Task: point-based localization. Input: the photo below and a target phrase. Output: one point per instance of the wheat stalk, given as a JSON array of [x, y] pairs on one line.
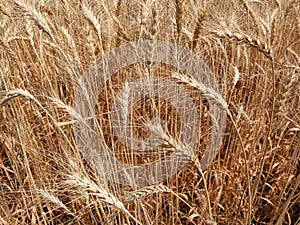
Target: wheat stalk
[[2, 221]]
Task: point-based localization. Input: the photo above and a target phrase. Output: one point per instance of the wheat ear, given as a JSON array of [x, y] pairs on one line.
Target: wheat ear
[[202, 15], [246, 39], [252, 14], [5, 46], [86, 185], [89, 15], [55, 200], [179, 16], [181, 149], [145, 192], [209, 92], [66, 7]]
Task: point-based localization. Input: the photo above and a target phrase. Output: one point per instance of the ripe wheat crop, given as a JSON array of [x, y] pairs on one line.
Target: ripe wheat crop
[[251, 47]]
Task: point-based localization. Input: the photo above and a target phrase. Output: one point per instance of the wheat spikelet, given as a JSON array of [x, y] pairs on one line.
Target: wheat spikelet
[[144, 13], [298, 25], [71, 43], [118, 9], [246, 39], [289, 88], [7, 96], [29, 30], [60, 104], [120, 28], [123, 99]]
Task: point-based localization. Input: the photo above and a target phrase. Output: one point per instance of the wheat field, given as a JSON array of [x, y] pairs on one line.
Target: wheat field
[[251, 47]]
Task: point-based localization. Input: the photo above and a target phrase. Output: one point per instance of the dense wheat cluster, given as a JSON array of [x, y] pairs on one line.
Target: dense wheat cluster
[[251, 47]]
